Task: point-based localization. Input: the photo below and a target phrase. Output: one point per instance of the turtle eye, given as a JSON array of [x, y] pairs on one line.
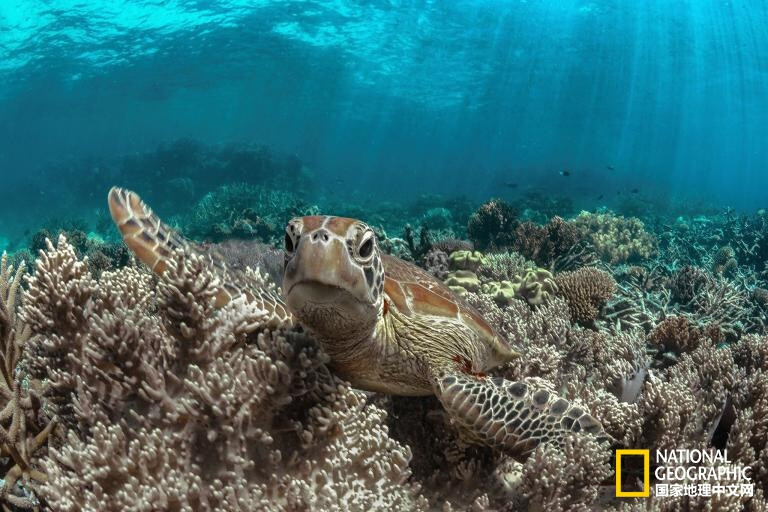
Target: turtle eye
[[366, 248]]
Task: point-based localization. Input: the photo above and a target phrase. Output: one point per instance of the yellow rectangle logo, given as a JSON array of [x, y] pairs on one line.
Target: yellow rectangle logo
[[646, 454]]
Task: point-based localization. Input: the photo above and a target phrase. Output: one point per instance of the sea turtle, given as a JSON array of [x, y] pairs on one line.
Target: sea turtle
[[387, 325]]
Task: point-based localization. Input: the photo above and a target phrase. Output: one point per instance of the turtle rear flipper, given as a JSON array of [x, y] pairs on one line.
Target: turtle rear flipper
[[514, 416], [154, 243]]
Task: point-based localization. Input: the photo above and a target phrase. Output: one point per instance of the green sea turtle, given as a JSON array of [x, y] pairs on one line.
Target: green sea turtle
[[387, 325]]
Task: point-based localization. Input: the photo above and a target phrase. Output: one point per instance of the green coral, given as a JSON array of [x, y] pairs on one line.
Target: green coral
[[502, 292], [536, 286], [617, 239], [464, 279], [466, 260]]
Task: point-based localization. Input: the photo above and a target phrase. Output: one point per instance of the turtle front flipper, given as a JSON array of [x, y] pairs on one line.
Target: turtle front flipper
[[154, 243], [513, 416]]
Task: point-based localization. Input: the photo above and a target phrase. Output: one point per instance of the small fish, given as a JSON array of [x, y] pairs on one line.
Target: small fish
[[565, 173], [635, 191], [610, 167], [510, 185], [600, 197]]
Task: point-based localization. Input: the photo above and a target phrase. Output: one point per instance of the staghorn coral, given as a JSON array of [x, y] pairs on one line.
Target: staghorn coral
[[707, 299], [228, 212], [687, 282], [586, 291], [171, 406], [451, 245], [617, 239], [25, 426]]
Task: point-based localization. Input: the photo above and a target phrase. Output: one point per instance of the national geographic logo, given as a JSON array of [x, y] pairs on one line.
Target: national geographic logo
[[683, 473], [646, 491]]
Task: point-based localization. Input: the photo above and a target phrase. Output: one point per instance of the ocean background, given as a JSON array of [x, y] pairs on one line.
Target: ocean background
[[658, 102]]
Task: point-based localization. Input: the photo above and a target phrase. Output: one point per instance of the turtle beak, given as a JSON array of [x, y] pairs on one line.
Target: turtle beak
[[324, 263]]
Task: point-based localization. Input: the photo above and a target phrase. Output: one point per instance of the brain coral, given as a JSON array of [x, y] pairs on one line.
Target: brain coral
[[586, 290], [617, 239]]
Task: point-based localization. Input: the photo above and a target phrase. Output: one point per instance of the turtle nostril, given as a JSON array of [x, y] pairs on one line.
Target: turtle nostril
[[321, 235]]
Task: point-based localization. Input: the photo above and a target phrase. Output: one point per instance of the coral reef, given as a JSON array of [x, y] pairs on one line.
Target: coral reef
[[546, 244], [617, 239], [25, 425], [503, 266], [535, 286], [224, 415], [123, 391], [493, 225], [677, 334], [244, 211], [462, 281], [466, 260], [586, 290]]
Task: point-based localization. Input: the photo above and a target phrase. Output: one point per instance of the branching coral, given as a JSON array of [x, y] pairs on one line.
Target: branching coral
[[566, 480], [24, 426], [168, 404], [436, 263], [677, 334], [173, 406], [713, 300], [492, 226], [617, 239], [503, 266], [586, 291], [687, 282], [546, 244]]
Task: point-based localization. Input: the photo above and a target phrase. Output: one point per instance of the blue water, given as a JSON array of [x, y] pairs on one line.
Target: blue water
[[392, 99]]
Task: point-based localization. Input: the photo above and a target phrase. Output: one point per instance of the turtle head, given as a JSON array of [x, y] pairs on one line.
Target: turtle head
[[333, 275]]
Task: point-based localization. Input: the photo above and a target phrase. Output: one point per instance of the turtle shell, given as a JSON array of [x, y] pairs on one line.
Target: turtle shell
[[415, 292]]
